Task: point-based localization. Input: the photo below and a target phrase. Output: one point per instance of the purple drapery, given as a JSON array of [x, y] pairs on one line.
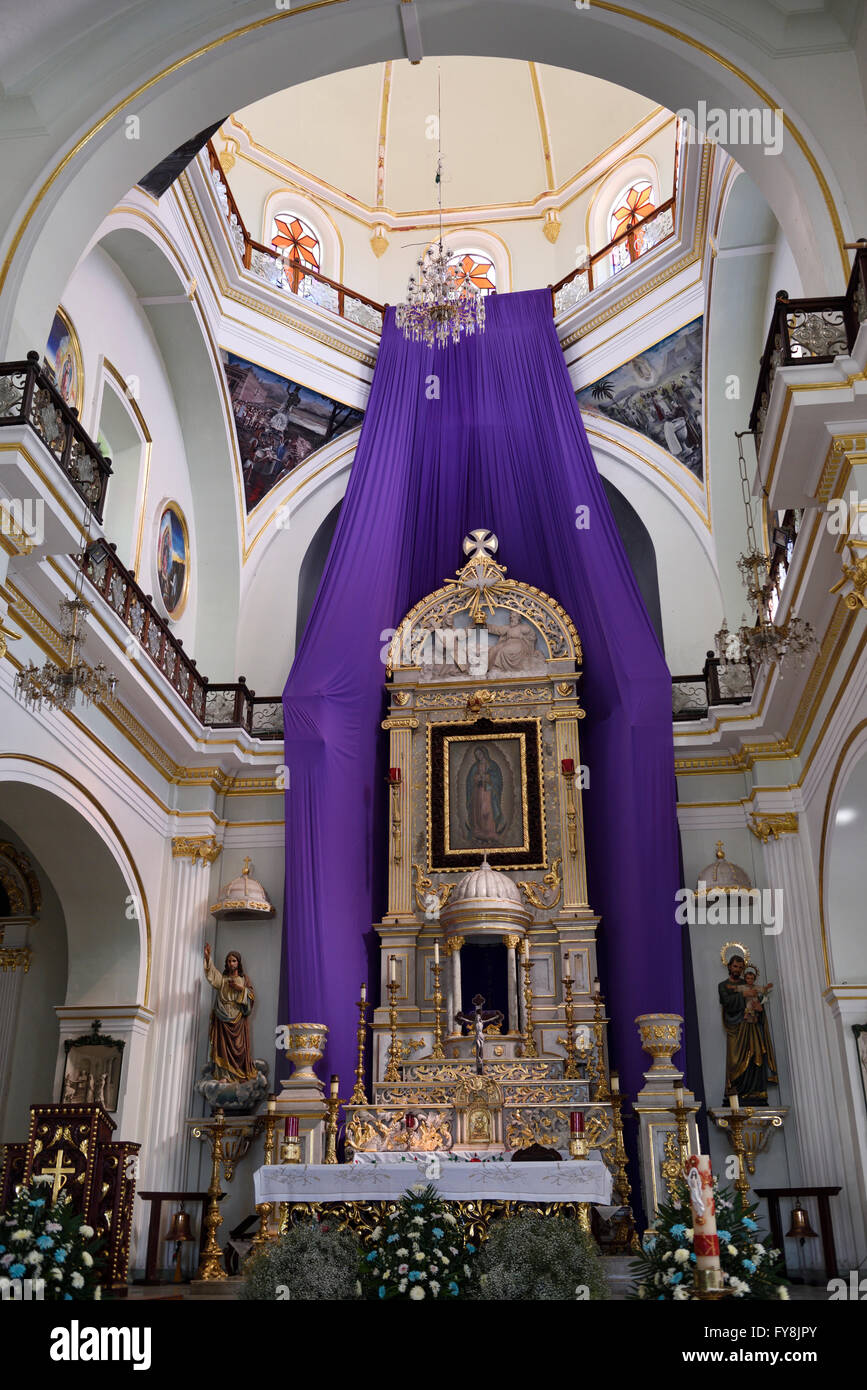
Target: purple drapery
[[485, 434]]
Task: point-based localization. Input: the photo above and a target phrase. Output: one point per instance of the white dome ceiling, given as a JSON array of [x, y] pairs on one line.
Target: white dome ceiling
[[511, 131]]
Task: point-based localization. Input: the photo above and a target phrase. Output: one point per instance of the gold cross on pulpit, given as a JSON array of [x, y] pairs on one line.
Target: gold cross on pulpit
[[58, 1173]]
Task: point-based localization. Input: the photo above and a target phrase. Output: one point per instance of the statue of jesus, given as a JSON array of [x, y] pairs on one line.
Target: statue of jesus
[[477, 1020]]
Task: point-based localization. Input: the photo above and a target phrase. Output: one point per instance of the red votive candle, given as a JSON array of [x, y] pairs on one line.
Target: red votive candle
[[576, 1121], [290, 1128], [409, 1121], [394, 775], [567, 766]]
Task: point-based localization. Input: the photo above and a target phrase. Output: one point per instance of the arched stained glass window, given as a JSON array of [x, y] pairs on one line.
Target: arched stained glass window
[[473, 268], [297, 242], [630, 207]]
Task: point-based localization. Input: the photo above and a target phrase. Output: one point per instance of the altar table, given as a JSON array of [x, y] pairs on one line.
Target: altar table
[[572, 1180]]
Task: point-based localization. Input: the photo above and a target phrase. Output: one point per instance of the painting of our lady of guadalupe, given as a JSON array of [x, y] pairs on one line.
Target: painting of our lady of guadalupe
[[486, 777]]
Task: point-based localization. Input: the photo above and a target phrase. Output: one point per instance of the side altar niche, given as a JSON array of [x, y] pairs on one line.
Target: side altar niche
[[486, 882]]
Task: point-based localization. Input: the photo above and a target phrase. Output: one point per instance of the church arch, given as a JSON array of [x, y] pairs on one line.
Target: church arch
[[205, 76]]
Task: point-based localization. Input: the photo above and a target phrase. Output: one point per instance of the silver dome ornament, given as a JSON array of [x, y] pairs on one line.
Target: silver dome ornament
[[244, 897], [722, 876]]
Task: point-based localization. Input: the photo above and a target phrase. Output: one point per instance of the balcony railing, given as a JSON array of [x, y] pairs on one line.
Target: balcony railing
[[270, 266], [810, 330], [616, 256], [28, 396], [720, 683], [217, 706]]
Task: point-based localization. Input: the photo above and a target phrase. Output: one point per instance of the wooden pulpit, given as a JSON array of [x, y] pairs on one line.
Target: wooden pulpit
[[73, 1145]]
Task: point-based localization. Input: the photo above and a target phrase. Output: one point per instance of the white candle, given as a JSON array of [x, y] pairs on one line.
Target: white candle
[[526, 947], [436, 953], [392, 967], [734, 1103], [363, 993], [567, 969], [615, 1083], [705, 1241], [678, 1095], [335, 1085], [595, 985]]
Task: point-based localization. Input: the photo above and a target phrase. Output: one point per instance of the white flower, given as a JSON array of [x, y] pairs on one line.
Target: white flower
[[78, 1281], [418, 1221], [402, 1253], [403, 1269], [23, 1234], [374, 1235], [87, 1232], [447, 1216], [416, 1292], [35, 1257], [667, 1255], [758, 1250], [732, 1250], [86, 1258], [689, 1232], [97, 1293], [434, 1287], [782, 1291], [55, 1273], [681, 1257], [402, 1286], [680, 1294], [42, 1177]]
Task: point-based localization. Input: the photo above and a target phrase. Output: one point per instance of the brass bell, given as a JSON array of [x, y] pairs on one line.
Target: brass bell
[[179, 1232], [800, 1227]]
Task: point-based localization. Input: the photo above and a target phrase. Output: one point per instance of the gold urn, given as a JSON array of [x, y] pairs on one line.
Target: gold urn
[[305, 1045], [661, 1037]]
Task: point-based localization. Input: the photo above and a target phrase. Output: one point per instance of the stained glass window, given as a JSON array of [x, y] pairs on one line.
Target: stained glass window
[[473, 268], [633, 204], [296, 241]]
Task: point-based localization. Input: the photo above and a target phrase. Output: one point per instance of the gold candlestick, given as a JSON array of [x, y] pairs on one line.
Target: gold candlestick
[[627, 1236], [735, 1121], [529, 1046], [358, 1096], [600, 1091], [332, 1105], [394, 1050], [570, 1072], [211, 1263], [263, 1233], [681, 1114], [438, 1011]]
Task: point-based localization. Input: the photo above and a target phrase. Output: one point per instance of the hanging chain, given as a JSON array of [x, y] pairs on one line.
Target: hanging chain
[[746, 493]]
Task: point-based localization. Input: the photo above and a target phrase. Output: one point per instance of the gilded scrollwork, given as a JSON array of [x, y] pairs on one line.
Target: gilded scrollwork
[[429, 899], [547, 893]]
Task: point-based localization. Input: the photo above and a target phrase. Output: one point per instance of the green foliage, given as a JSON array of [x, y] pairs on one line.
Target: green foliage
[[666, 1267], [312, 1261], [538, 1257], [419, 1251], [48, 1241]]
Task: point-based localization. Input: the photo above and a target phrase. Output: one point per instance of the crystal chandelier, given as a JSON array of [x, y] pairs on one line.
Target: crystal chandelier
[[60, 684], [437, 307], [764, 640]]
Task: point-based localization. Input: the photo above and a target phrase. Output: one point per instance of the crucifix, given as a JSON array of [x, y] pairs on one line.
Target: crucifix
[[477, 1020], [59, 1174]]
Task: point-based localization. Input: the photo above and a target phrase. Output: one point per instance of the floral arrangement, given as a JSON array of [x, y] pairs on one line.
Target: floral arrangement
[[537, 1257], [665, 1268], [419, 1251], [48, 1241], [313, 1261]]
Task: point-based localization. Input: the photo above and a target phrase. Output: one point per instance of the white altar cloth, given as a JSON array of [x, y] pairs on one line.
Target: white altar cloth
[[572, 1180]]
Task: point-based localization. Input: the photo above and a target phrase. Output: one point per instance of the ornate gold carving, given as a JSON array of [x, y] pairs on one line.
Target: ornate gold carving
[[198, 848], [551, 883], [13, 956], [367, 1133], [565, 688], [27, 885], [400, 721], [477, 700], [856, 575], [525, 1129], [400, 697], [566, 712], [773, 824], [7, 636], [501, 695], [424, 891]]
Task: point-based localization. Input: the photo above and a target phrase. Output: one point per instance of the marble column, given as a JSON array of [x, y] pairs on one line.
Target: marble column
[[180, 1007], [457, 943], [511, 944], [818, 1084]]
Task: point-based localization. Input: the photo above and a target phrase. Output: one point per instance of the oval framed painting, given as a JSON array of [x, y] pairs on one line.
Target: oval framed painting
[[173, 559], [63, 360]]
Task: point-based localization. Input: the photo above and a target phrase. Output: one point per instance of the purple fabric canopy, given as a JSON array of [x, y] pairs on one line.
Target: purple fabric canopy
[[485, 434]]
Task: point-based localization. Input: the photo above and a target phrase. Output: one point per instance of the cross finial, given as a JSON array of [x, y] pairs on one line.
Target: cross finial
[[482, 544], [720, 850], [246, 868]]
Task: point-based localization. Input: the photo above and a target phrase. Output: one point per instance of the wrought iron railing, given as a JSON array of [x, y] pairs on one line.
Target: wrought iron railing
[[267, 263], [28, 396], [810, 330], [720, 683], [620, 253], [231, 705]]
